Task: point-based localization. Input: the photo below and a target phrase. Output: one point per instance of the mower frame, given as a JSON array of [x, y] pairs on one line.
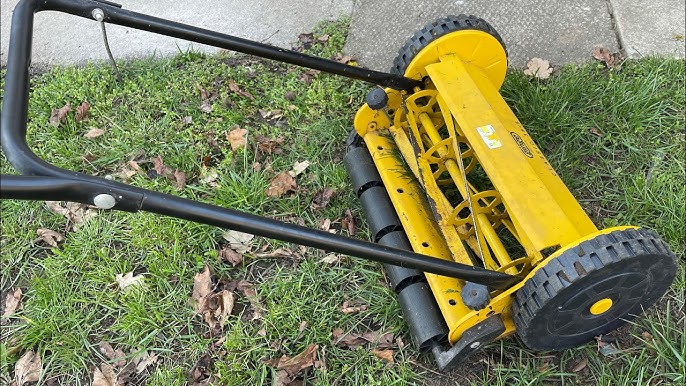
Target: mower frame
[[42, 181]]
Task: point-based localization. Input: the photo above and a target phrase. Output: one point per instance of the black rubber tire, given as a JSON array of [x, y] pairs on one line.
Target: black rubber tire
[[633, 268], [435, 30]]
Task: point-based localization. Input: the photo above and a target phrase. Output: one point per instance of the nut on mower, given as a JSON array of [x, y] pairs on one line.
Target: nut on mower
[[479, 237]]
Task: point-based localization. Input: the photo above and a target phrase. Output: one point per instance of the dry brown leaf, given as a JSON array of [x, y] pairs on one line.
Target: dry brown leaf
[[345, 59], [331, 258], [128, 281], [28, 368], [289, 95], [230, 256], [216, 309], [349, 307], [187, 120], [235, 89], [238, 241], [110, 353], [76, 213], [58, 116], [604, 55], [580, 366], [94, 132], [249, 292], [160, 168], [49, 236], [269, 146], [348, 222], [322, 198], [104, 376], [323, 39], [82, 112], [290, 367], [179, 180], [385, 355], [646, 335], [237, 138], [279, 252], [352, 340], [538, 68], [308, 75], [144, 360], [205, 104], [201, 373], [271, 115], [299, 168], [202, 287], [281, 184], [12, 302], [595, 131]]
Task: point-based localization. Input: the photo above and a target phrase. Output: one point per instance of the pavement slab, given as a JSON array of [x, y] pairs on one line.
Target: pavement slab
[[560, 31], [651, 27], [64, 39]]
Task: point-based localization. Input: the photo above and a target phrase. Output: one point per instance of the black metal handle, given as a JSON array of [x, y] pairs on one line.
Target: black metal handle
[[45, 181]]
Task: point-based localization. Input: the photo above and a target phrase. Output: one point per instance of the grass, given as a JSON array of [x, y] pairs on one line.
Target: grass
[[632, 173]]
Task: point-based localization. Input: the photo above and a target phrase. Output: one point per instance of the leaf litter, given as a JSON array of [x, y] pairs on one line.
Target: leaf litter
[[290, 368], [281, 184], [28, 368], [49, 236], [12, 302], [538, 68], [82, 112], [240, 242], [129, 281], [215, 307], [58, 116], [237, 138], [76, 213]]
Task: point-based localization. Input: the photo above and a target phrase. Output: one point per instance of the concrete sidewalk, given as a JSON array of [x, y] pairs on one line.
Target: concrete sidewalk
[[560, 31]]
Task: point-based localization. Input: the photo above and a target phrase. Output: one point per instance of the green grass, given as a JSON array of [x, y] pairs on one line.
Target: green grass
[[632, 174]]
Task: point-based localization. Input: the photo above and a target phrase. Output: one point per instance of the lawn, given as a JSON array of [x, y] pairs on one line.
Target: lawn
[[615, 136]]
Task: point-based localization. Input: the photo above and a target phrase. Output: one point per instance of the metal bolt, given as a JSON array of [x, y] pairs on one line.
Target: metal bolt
[[475, 345], [98, 14], [104, 201]]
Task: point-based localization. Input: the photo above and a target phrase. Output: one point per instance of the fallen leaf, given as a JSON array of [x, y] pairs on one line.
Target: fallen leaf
[[289, 95], [187, 120], [604, 55], [538, 68], [12, 302], [281, 184], [323, 39], [269, 146], [202, 287], [209, 176], [306, 39], [385, 355], [76, 213], [279, 252], [104, 376], [234, 88], [28, 368], [348, 222], [94, 132], [580, 366], [271, 115], [345, 59], [216, 309], [352, 340], [144, 360], [325, 225], [290, 367], [321, 198], [110, 353], [238, 241], [230, 256], [58, 116], [160, 168], [82, 112], [49, 236], [201, 373], [349, 307], [595, 131], [249, 292], [646, 335], [605, 347], [331, 258], [237, 138], [205, 104], [128, 281], [179, 181], [299, 168], [308, 75]]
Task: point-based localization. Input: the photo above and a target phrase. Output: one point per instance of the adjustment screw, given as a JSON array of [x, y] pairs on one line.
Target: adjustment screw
[[104, 201], [98, 14], [377, 99]]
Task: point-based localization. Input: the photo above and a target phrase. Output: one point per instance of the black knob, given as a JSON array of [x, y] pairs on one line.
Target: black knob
[[377, 99]]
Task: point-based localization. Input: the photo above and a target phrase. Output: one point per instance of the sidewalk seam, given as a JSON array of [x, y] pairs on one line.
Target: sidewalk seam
[[615, 28]]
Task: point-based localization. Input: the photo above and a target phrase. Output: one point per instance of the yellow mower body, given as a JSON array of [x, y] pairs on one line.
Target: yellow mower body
[[443, 139]]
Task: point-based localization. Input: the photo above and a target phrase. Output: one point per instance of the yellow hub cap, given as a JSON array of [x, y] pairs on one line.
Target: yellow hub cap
[[601, 306]]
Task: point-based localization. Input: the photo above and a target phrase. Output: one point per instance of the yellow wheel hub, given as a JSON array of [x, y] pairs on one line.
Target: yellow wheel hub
[[471, 46], [601, 306]]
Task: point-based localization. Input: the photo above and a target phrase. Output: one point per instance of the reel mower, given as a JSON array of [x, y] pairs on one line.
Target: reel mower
[[478, 235]]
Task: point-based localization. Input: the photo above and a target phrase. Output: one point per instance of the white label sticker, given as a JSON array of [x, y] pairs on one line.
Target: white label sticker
[[489, 136]]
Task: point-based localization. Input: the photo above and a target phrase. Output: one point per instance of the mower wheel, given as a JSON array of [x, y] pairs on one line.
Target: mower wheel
[[592, 288], [444, 26]]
